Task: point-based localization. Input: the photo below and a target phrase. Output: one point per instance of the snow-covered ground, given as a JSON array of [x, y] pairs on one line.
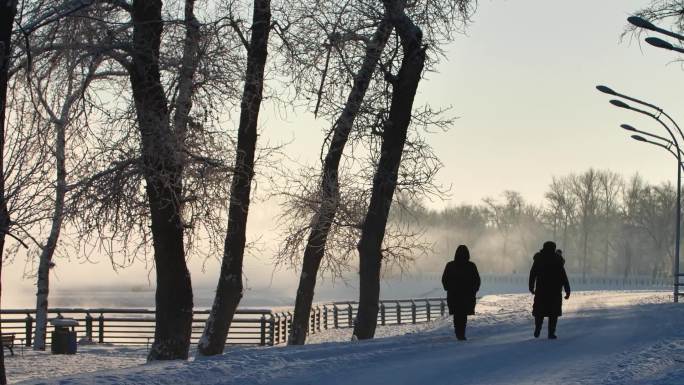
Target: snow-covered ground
[[631, 338]]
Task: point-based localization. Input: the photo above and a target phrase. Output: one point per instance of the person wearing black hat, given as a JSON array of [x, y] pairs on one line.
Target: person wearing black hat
[[461, 282], [547, 279]]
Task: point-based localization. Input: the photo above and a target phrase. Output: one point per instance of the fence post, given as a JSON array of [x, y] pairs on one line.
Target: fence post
[[441, 307], [286, 332], [413, 312], [335, 317], [277, 332], [398, 313], [89, 327], [350, 314], [382, 313], [283, 329], [325, 317], [317, 321], [263, 330], [427, 308], [310, 329], [271, 330], [29, 329], [100, 321]]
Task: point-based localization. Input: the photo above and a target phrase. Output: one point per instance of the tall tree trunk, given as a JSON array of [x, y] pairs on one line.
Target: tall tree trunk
[[385, 180], [330, 194], [188, 69], [8, 9], [45, 261], [585, 252], [566, 246], [605, 259], [628, 259], [229, 289], [60, 123], [163, 176]]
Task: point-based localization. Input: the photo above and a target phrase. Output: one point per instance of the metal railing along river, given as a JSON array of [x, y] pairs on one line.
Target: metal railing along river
[[251, 326]]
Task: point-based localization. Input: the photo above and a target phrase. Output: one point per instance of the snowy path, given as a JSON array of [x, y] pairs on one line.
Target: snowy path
[[606, 338]]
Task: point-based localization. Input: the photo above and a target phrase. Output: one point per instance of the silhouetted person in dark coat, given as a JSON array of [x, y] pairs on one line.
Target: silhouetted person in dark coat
[[461, 281], [547, 279]]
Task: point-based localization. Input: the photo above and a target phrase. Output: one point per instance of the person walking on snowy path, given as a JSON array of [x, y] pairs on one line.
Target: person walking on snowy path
[[461, 282], [547, 279]]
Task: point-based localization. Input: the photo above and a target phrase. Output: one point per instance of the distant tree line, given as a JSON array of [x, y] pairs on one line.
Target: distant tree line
[[604, 223]]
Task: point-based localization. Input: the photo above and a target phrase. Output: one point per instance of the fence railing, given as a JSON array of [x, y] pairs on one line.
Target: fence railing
[[337, 315], [134, 326], [250, 326], [588, 282]]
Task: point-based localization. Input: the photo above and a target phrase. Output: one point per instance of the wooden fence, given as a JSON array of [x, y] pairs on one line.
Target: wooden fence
[[250, 326]]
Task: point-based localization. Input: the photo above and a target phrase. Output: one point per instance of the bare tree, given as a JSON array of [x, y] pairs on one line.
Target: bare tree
[[150, 134], [58, 100], [163, 172], [505, 215], [229, 289], [611, 187], [562, 207], [585, 187], [329, 181], [8, 12], [404, 87]]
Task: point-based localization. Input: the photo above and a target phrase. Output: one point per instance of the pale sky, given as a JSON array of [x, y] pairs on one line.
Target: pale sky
[[522, 82]]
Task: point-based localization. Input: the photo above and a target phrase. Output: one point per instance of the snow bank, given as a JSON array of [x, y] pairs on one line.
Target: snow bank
[[605, 338]]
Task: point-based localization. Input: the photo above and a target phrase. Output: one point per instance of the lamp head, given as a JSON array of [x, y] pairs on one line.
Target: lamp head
[[628, 127], [640, 22], [619, 103], [606, 90], [660, 43], [639, 138]]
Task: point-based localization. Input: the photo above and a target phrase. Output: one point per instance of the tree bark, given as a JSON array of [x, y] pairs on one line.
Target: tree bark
[[229, 288], [8, 10], [187, 73], [163, 177], [45, 261], [330, 195], [394, 134]]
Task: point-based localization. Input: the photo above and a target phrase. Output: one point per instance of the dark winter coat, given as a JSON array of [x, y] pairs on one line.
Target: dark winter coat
[[461, 281], [547, 278]]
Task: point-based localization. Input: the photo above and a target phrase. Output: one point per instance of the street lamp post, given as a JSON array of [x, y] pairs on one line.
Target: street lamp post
[[678, 154], [659, 43]]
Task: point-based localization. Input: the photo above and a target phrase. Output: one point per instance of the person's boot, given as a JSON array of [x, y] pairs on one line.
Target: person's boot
[[553, 321], [461, 333], [460, 326], [538, 322]]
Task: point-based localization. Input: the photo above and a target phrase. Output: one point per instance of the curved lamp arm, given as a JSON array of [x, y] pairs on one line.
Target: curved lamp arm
[[669, 149]]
